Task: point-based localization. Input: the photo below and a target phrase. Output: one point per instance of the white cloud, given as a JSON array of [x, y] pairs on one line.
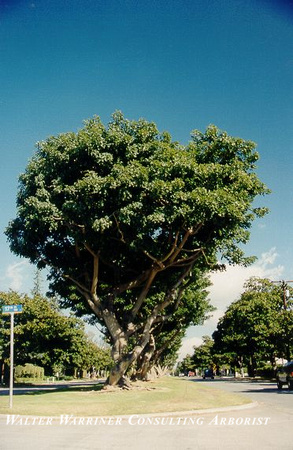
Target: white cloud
[[214, 319], [227, 286], [187, 346], [15, 275], [261, 226]]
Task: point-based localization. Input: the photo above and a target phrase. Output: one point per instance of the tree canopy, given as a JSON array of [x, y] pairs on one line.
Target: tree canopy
[[126, 219], [45, 337], [202, 357], [256, 327]]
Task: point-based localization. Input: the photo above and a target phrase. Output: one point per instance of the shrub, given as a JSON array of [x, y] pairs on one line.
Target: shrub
[[265, 372], [29, 371]]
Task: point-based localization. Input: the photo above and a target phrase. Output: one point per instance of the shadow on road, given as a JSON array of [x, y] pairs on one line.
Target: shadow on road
[[261, 386], [271, 390]]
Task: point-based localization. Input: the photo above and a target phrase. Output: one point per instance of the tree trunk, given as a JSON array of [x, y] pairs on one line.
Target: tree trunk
[[122, 332], [1, 371], [145, 364], [117, 374], [251, 366], [5, 373], [122, 359]]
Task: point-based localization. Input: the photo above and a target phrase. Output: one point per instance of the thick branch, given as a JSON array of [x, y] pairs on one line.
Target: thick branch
[[143, 293], [95, 275], [113, 325], [171, 293], [133, 283], [94, 304], [80, 286], [180, 246], [90, 250], [169, 260], [119, 229], [160, 262], [190, 259]]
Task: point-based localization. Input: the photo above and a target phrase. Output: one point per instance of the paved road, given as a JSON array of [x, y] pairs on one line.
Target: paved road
[[269, 425]]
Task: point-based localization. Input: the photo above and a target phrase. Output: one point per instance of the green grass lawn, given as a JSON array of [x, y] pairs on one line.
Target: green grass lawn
[[166, 394]]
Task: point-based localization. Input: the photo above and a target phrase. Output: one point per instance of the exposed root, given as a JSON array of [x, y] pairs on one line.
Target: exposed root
[[126, 384]]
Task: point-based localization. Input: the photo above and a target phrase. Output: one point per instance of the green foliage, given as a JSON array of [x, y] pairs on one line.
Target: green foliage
[[29, 371], [256, 327], [45, 337], [203, 354], [186, 365], [92, 187], [126, 187], [193, 310]]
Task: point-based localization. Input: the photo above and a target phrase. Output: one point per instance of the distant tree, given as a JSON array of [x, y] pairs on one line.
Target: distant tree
[[186, 365], [255, 327], [117, 214], [47, 338], [203, 354]]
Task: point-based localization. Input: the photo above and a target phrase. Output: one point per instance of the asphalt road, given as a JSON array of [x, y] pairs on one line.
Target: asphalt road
[[267, 425]]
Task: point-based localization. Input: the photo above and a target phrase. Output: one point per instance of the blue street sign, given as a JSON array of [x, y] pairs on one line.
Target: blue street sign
[[7, 309]]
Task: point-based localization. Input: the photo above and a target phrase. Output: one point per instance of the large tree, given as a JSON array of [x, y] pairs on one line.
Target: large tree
[[125, 218]]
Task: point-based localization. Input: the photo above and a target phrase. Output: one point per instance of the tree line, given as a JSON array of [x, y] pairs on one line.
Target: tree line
[[45, 337], [255, 332]]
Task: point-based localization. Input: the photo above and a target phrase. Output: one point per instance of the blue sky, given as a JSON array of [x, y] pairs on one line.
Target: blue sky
[[183, 64]]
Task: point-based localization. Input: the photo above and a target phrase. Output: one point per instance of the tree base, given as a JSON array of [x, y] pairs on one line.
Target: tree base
[[123, 383]]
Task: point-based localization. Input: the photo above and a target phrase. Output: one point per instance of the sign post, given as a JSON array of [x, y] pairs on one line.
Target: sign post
[[11, 309]]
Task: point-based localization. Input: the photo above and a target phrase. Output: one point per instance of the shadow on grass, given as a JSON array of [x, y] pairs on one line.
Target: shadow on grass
[[53, 389]]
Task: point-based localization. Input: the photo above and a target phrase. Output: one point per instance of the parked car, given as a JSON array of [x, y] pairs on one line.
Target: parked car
[[208, 373], [285, 375]]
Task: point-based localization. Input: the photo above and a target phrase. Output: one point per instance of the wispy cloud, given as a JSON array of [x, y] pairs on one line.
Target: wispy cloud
[[15, 276]]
